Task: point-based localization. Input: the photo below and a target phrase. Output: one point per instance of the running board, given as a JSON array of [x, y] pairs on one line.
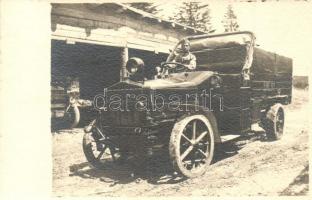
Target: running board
[[226, 138]]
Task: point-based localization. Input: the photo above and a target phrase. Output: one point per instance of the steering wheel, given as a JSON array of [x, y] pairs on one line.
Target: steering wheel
[[178, 66]]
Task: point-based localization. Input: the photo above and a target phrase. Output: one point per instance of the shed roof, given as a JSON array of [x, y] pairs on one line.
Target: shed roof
[[148, 16]]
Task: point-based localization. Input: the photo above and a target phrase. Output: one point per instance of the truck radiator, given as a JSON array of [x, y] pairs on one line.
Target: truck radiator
[[125, 118]]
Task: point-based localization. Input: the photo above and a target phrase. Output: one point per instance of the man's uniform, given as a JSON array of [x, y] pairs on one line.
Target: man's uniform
[[187, 59]]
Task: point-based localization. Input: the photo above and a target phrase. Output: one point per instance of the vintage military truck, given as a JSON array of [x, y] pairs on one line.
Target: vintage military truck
[[188, 112]]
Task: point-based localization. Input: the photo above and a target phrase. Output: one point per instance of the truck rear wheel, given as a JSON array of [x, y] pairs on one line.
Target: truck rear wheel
[[191, 145], [274, 122]]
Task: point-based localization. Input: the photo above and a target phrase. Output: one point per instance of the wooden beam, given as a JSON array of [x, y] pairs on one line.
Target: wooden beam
[[106, 37], [69, 41], [124, 56]]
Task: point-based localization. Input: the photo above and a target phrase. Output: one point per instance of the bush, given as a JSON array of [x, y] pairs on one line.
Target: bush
[[301, 82]]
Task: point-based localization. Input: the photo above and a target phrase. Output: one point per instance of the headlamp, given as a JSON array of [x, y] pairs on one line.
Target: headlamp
[[215, 81]]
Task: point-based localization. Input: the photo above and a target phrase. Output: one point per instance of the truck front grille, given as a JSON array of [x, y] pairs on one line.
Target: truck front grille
[[125, 118]]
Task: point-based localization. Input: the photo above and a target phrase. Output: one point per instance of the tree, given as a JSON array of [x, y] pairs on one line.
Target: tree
[[147, 7], [230, 20], [195, 15]]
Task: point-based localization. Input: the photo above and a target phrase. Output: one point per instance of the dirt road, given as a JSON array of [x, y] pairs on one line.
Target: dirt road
[[248, 166]]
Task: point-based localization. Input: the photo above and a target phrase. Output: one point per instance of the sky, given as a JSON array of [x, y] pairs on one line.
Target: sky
[[284, 27]]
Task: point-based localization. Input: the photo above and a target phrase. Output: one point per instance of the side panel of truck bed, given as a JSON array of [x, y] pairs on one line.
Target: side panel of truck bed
[[271, 75]]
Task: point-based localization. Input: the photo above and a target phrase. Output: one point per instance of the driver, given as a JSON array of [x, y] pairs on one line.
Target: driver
[[184, 56]]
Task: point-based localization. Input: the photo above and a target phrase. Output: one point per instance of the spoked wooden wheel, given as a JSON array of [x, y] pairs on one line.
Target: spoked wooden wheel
[[274, 122], [191, 145], [100, 154]]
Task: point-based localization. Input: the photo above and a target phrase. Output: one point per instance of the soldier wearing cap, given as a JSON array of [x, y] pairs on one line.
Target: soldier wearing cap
[[184, 56]]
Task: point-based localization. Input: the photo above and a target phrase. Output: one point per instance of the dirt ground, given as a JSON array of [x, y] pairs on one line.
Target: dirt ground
[[248, 166]]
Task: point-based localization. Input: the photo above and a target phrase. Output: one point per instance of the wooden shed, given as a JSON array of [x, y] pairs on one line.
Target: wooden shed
[[92, 42]]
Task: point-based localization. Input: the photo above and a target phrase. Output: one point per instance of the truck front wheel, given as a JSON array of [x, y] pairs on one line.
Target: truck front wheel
[[191, 145]]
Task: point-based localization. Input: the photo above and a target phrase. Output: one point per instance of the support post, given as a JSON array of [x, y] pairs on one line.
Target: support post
[[124, 56]]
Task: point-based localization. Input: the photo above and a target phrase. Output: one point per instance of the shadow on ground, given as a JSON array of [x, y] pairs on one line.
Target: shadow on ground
[[300, 185], [157, 169]]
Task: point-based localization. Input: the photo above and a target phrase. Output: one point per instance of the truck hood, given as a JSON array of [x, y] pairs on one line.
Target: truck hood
[[176, 80], [179, 80]]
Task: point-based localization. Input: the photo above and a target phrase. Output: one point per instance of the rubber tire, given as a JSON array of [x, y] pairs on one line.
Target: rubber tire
[[270, 121], [87, 150], [72, 122], [174, 150]]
